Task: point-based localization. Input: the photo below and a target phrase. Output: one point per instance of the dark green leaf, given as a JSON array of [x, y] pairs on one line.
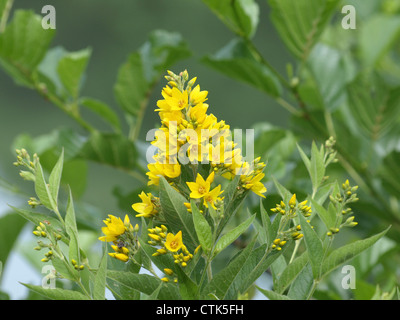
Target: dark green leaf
[[57, 294]]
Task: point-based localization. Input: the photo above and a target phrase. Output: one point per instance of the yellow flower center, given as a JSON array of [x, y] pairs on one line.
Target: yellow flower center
[[174, 244], [202, 189], [181, 103]]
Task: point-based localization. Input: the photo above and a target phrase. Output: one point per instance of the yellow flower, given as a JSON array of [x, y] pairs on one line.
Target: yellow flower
[[201, 187], [120, 256], [159, 169], [292, 201], [146, 208], [114, 228], [211, 197], [178, 100], [197, 96], [254, 184], [174, 242]]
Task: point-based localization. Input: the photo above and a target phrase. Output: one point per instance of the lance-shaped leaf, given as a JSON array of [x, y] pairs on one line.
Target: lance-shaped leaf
[[144, 283], [232, 235], [99, 288], [57, 293], [314, 246], [55, 177], [349, 251], [203, 229], [176, 214]]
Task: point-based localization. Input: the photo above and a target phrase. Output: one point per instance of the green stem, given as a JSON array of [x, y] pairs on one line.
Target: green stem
[[6, 14]]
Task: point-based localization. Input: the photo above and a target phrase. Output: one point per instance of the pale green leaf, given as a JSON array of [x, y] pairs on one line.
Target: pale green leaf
[[271, 295], [55, 177], [102, 110], [232, 235], [71, 68], [99, 287], [57, 293], [203, 229], [314, 246], [349, 251]]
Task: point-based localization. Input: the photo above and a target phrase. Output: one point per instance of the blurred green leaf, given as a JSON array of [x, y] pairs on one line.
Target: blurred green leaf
[[112, 149], [390, 173], [71, 68], [72, 230], [300, 23], [241, 16], [374, 105], [235, 60], [332, 71], [377, 35], [11, 226], [102, 110], [139, 74], [23, 45]]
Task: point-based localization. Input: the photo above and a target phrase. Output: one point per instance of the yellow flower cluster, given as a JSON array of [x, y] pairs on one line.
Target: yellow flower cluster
[[188, 136], [170, 243], [123, 235]]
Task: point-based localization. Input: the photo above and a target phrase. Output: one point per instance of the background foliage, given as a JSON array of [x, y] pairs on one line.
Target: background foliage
[[286, 68]]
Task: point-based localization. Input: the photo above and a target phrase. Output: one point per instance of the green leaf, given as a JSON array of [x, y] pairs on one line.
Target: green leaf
[[377, 35], [327, 216], [304, 157], [266, 223], [300, 23], [271, 295], [232, 235], [176, 214], [144, 283], [102, 110], [42, 189], [317, 166], [72, 230], [349, 251], [23, 45], [111, 149], [57, 294], [390, 173], [332, 72], [300, 288], [99, 288], [139, 74], [313, 245], [241, 16], [236, 61], [203, 229], [71, 68], [187, 287], [36, 217], [11, 226], [224, 280], [291, 272], [374, 105], [55, 177]]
